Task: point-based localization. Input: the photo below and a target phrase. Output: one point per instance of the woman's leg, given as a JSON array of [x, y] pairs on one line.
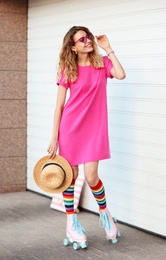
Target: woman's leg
[[74, 230], [95, 184], [98, 191], [68, 195]]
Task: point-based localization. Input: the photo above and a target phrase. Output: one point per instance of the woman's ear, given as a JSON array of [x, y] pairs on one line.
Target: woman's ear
[[73, 48]]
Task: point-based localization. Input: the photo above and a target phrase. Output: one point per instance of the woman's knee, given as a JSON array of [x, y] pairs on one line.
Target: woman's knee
[[92, 180], [75, 172], [91, 173]]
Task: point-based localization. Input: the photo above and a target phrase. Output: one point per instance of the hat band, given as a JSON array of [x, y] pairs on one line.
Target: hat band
[[56, 165]]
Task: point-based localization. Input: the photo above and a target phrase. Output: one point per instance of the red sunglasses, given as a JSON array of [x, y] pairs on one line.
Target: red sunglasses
[[85, 38]]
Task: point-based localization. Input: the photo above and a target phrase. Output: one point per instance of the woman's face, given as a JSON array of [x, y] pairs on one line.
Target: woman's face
[[83, 42]]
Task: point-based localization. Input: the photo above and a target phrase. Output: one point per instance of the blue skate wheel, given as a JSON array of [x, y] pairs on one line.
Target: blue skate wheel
[[76, 246], [114, 241], [66, 242]]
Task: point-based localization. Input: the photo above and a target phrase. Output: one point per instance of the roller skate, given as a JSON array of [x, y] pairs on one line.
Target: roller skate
[[75, 233], [108, 223]]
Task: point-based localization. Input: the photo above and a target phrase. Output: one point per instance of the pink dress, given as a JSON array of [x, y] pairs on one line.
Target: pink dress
[[83, 132]]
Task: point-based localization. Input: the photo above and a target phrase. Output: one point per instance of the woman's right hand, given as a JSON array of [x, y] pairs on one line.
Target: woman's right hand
[[52, 148]]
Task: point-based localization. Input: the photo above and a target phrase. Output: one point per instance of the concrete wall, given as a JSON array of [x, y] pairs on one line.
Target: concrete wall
[[13, 78]]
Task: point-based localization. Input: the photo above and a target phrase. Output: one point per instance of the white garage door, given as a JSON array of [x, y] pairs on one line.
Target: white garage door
[[135, 176]]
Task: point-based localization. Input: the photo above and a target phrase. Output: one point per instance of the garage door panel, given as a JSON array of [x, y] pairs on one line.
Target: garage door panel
[[138, 105], [148, 92], [140, 135], [138, 148], [135, 176]]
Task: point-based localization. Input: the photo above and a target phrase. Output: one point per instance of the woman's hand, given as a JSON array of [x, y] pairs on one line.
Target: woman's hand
[[117, 70], [103, 42], [52, 148]]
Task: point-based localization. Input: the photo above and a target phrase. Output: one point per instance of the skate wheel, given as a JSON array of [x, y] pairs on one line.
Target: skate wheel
[[76, 246], [114, 240], [66, 242]]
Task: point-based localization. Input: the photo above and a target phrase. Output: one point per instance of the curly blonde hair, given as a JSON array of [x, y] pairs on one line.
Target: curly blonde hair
[[68, 58]]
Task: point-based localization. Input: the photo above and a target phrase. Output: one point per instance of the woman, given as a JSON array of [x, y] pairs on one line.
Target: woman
[[80, 126]]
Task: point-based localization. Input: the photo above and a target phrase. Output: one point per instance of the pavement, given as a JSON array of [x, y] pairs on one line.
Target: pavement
[[31, 230]]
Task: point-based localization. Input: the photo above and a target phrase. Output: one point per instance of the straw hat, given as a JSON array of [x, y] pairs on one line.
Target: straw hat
[[53, 175]]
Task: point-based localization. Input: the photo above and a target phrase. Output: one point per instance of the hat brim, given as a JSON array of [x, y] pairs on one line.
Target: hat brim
[[58, 160]]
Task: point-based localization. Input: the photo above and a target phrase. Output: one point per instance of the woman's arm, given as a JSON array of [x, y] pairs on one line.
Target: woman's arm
[[117, 71], [61, 97]]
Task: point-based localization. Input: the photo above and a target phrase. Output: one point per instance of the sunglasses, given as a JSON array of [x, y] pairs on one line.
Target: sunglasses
[[85, 38]]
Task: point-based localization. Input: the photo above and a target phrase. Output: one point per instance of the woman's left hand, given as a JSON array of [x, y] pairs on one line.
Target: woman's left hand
[[103, 42]]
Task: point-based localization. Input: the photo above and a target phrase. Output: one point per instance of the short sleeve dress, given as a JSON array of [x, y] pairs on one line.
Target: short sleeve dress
[[83, 131]]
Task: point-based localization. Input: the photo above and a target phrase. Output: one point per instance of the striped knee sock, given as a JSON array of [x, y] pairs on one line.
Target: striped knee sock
[[98, 192], [68, 198]]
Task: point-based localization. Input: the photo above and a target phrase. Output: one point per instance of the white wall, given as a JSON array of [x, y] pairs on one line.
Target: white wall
[[135, 176]]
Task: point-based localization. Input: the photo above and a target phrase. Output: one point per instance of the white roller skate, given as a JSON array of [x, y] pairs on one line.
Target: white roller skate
[[75, 233], [108, 223]]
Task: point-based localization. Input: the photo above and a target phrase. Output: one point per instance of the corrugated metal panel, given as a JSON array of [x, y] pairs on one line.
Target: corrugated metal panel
[[135, 176]]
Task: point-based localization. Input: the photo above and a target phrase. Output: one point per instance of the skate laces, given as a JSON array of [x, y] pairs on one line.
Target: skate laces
[[104, 221], [77, 226]]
